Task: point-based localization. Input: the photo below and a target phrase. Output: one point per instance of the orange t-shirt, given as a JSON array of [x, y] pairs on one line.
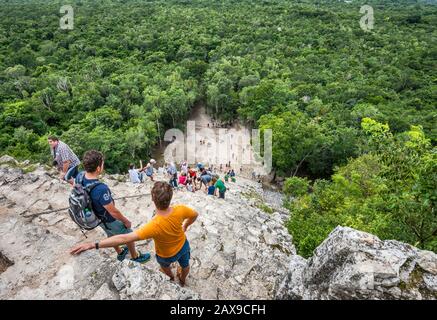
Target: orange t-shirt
[[167, 231]]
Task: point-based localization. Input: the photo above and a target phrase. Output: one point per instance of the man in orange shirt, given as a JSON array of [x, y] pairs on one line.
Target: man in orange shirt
[[167, 229]]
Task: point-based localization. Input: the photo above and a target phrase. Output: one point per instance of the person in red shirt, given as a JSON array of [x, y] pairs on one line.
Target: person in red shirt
[[193, 175]]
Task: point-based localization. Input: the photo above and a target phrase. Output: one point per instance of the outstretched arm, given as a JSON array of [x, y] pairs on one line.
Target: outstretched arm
[[106, 243]]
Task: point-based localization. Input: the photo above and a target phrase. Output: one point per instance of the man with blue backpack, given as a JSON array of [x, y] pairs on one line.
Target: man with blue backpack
[[91, 205]]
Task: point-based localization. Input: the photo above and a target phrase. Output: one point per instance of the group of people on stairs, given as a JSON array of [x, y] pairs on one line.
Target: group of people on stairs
[[167, 227]]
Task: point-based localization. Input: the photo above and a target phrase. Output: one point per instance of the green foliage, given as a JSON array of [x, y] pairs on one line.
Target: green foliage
[[300, 140], [296, 187], [116, 87], [265, 208], [118, 147], [390, 192], [356, 107], [248, 59]]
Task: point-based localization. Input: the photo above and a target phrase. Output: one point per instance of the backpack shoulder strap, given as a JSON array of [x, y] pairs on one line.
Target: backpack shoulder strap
[[80, 177], [91, 186]]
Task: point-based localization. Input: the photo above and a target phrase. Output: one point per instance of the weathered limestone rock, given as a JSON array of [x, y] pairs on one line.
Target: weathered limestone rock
[[238, 251], [351, 264], [230, 257], [105, 293], [138, 282], [291, 287], [8, 160]]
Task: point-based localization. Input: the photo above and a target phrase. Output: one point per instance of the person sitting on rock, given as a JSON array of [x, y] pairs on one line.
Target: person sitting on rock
[[113, 221], [167, 228], [134, 175]]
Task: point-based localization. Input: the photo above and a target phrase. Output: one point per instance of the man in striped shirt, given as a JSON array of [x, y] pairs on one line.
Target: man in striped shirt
[[65, 159]]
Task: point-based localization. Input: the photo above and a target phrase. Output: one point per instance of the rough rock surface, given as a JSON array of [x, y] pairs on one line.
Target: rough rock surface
[[351, 264], [8, 160], [142, 282], [238, 250]]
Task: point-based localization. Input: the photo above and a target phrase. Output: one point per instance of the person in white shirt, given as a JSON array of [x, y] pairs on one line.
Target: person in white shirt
[[184, 167], [134, 175]]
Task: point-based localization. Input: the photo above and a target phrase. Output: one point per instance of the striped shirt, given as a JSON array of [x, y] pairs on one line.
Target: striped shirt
[[64, 153]]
